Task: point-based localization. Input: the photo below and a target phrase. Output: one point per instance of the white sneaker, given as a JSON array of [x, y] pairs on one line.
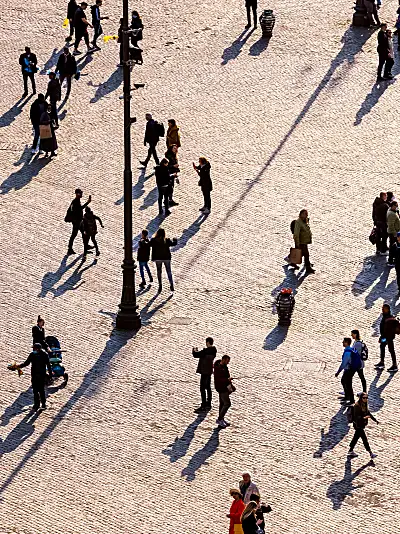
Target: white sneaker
[[221, 423]]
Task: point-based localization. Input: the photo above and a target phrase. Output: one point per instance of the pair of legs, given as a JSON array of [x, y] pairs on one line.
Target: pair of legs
[[54, 114], [306, 255], [360, 433], [68, 78], [207, 199], [360, 373], [347, 383], [86, 239], [39, 396], [251, 5], [76, 226], [163, 193], [151, 152], [205, 391], [392, 242], [98, 30], [224, 404], [382, 61], [78, 38], [36, 137], [71, 30], [389, 343], [167, 265], [388, 67], [381, 237], [31, 76], [143, 265]]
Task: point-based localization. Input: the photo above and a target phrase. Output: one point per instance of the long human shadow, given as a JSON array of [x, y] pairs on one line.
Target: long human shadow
[[180, 446], [138, 188], [9, 116], [147, 312], [75, 280], [375, 400], [234, 49], [52, 61], [50, 279], [31, 166], [259, 47], [201, 456], [94, 378], [352, 42], [152, 228], [340, 489], [107, 87], [150, 199], [190, 232], [372, 268], [337, 431], [24, 429], [24, 399]]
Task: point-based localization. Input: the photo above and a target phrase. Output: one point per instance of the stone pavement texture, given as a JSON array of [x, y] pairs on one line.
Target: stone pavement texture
[[296, 124]]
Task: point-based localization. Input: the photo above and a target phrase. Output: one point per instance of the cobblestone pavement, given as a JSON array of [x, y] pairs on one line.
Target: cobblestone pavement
[[296, 124]]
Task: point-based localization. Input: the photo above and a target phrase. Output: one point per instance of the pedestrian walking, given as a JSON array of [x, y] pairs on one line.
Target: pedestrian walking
[[89, 230], [247, 487], [143, 257], [37, 108], [351, 362], [251, 5], [66, 66], [28, 62], [249, 521], [379, 211], [383, 50], [137, 26], [303, 237], [205, 183], [173, 168], [53, 93], [206, 359], [235, 512], [390, 60], [173, 136], [163, 180], [396, 257], [38, 334], [48, 140], [223, 386], [151, 137], [161, 255], [81, 28], [261, 509], [362, 350], [360, 416], [96, 22], [393, 226], [386, 339], [39, 361], [75, 215], [71, 8]]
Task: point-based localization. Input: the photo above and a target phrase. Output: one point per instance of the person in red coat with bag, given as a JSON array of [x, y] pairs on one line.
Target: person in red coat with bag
[[235, 512]]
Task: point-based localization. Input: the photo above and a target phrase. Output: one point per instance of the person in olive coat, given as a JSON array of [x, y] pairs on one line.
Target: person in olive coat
[[203, 170]]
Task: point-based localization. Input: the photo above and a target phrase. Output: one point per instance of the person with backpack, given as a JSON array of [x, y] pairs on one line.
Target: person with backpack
[[359, 415], [387, 330], [75, 215], [351, 362], [143, 257], [89, 228], [154, 131], [362, 350], [206, 359]]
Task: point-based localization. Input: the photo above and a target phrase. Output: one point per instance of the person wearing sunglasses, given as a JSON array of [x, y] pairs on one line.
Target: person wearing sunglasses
[[361, 415]]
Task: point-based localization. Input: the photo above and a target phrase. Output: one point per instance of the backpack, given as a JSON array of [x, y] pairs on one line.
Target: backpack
[[350, 414], [68, 215], [292, 224], [364, 351], [160, 129], [355, 362]]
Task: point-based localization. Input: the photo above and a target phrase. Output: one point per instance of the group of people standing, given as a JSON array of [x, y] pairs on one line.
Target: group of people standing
[[246, 514]]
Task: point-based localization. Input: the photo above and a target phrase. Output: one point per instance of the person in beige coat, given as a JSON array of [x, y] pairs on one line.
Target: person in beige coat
[[173, 135], [303, 237], [393, 226]]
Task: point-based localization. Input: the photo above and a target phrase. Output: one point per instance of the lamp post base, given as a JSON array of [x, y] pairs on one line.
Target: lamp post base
[[128, 317], [128, 320]]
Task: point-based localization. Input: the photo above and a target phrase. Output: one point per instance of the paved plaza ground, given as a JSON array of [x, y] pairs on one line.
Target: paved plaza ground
[[298, 123]]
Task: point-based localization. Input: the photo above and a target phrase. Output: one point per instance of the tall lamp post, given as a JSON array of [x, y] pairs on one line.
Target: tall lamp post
[[127, 317]]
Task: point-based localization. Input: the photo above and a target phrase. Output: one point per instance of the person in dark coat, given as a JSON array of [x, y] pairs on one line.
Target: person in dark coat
[[143, 257], [37, 108], [205, 183], [383, 50], [163, 180], [39, 361], [48, 144], [136, 24], [151, 137], [206, 359], [89, 230], [66, 66], [161, 255], [379, 211], [71, 8], [81, 28], [173, 167], [39, 335], [53, 93], [75, 216], [261, 509], [96, 22], [251, 5], [361, 414], [249, 520], [222, 379], [386, 339], [28, 62]]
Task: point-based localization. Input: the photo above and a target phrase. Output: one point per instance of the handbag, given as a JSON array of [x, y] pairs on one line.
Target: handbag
[[237, 528], [373, 236], [231, 388], [295, 256], [45, 131]]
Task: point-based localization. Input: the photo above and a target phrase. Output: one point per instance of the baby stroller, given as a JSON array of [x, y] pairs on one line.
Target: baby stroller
[[56, 358]]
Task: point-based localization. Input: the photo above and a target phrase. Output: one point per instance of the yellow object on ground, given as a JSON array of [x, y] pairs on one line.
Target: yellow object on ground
[[65, 23], [110, 38]]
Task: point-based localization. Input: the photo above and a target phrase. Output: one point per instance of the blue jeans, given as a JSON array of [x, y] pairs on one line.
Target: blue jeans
[[142, 266], [37, 134], [167, 265]]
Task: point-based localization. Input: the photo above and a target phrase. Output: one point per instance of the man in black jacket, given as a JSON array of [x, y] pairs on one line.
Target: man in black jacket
[[66, 66], [205, 368], [37, 108], [72, 7], [151, 137], [81, 28], [261, 509], [39, 361], [383, 50], [28, 62], [75, 215], [379, 211], [386, 339], [163, 180], [222, 383], [96, 22], [53, 93]]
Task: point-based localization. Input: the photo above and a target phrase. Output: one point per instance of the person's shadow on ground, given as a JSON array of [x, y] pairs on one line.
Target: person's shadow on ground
[[373, 267], [340, 489], [190, 232], [9, 116], [150, 199], [107, 87], [233, 50], [31, 166], [337, 431], [200, 457], [138, 188], [375, 400], [19, 434], [21, 402], [75, 280], [147, 312], [180, 446], [52, 61], [50, 279]]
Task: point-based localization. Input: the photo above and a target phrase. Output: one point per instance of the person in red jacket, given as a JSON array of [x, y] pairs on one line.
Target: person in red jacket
[[222, 380], [236, 510]]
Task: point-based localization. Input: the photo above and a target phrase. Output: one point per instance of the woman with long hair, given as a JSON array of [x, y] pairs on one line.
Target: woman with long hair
[[358, 345], [136, 24], [161, 254], [361, 414], [249, 520], [205, 183], [235, 512], [48, 143]]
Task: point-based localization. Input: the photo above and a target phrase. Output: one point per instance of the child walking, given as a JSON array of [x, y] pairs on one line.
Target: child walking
[[143, 258], [89, 227]]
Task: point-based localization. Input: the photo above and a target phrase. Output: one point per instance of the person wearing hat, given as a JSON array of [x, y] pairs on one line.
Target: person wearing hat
[[393, 226], [81, 28], [75, 216], [39, 361], [66, 66], [53, 93], [235, 511]]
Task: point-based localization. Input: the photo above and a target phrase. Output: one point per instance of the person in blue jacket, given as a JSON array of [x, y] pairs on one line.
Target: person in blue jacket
[[348, 371]]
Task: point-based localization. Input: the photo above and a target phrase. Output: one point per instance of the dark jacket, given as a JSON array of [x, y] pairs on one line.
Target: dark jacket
[[206, 359], [53, 90], [249, 525], [383, 44], [359, 420], [396, 254], [76, 209], [89, 225], [143, 253], [37, 108], [384, 331], [221, 377], [137, 24], [95, 11], [72, 7], [205, 179], [80, 26], [66, 65], [163, 178], [32, 62], [260, 514], [172, 161], [39, 361], [151, 134], [161, 249], [379, 210], [39, 336]]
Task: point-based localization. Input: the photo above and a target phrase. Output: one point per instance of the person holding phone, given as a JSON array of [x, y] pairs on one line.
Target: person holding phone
[[28, 62], [386, 339], [261, 509]]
